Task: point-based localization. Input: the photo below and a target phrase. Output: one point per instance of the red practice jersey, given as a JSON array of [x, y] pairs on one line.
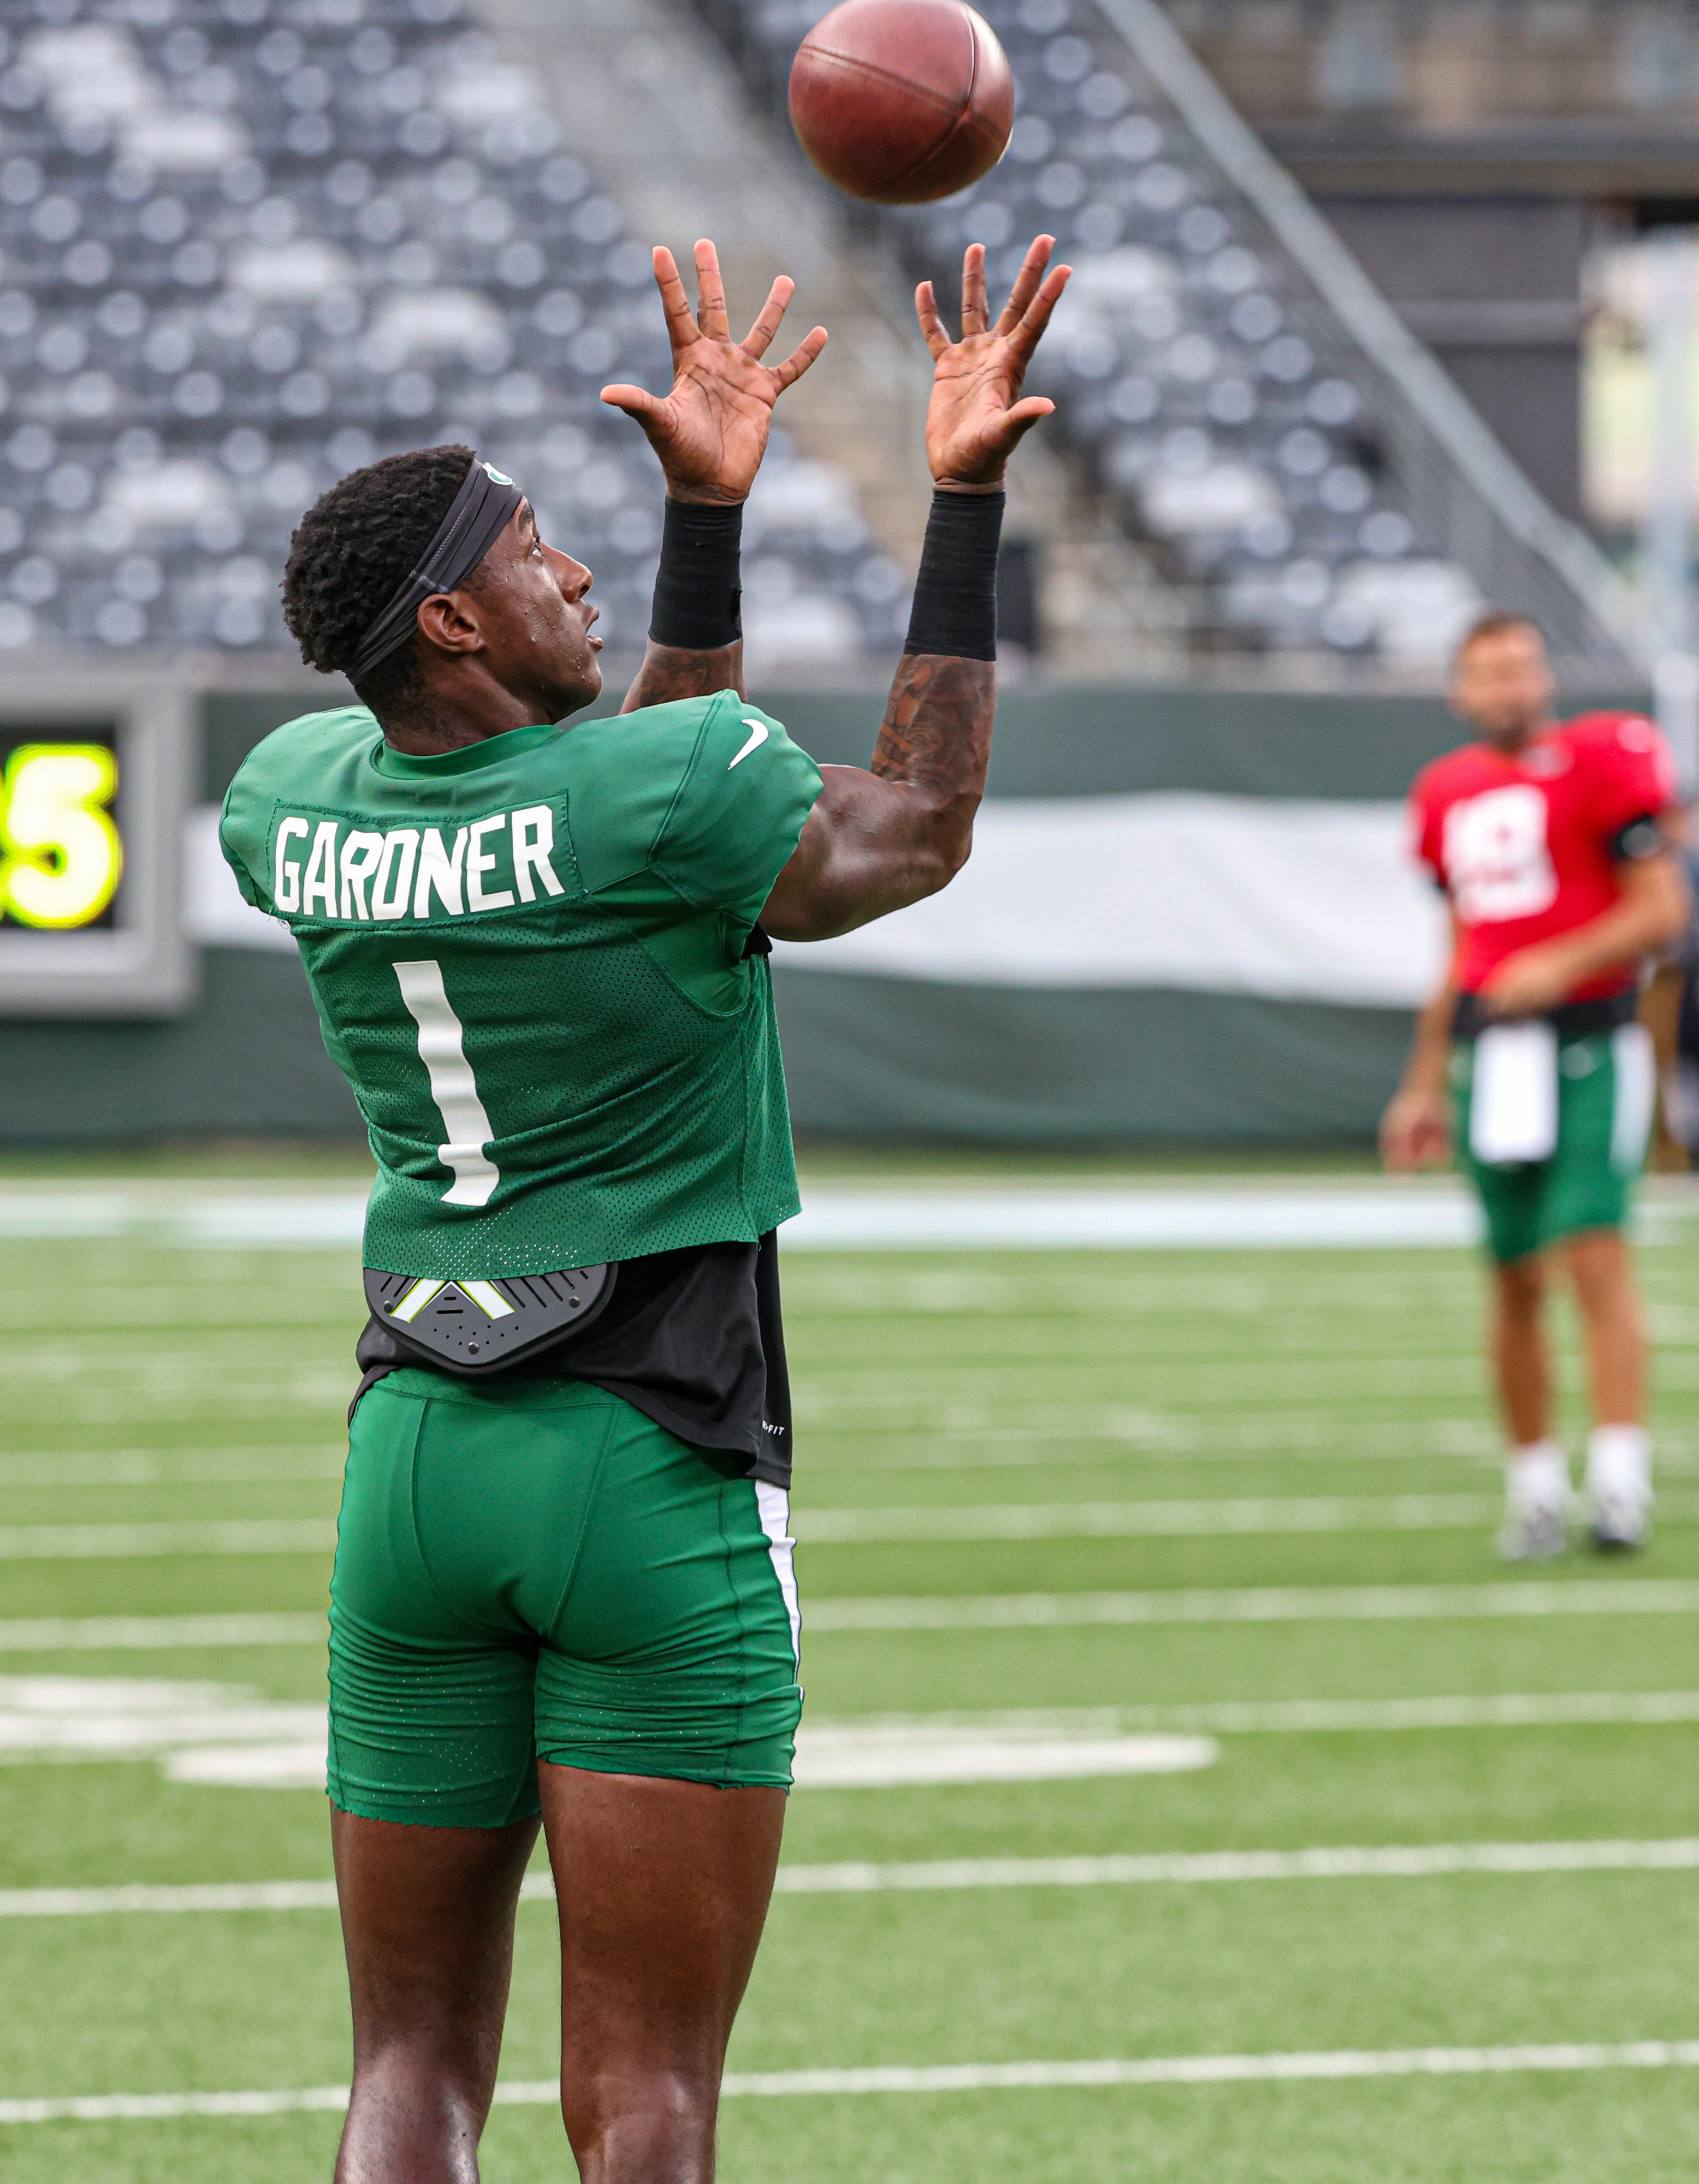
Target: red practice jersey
[[1528, 847]]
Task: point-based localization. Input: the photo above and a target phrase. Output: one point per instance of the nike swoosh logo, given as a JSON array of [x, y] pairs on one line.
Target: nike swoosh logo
[[758, 735]]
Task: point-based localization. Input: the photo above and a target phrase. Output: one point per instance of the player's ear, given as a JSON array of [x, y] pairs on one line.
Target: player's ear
[[449, 620]]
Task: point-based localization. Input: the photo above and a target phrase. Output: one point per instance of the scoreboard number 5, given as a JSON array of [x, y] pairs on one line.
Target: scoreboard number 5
[[60, 856]]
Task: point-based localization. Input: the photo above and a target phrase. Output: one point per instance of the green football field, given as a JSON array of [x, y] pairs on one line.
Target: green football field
[[1217, 1522]]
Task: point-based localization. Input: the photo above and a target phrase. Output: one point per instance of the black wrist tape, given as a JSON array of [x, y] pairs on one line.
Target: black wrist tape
[[955, 593], [698, 588]]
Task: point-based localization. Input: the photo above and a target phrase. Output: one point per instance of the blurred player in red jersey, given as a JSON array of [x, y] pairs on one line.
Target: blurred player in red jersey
[[1552, 842]]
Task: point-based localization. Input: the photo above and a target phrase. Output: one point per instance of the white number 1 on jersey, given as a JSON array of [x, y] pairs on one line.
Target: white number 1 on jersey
[[442, 1049]]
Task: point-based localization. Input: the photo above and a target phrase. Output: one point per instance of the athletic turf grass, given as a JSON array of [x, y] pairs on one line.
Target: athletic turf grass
[[144, 1386]]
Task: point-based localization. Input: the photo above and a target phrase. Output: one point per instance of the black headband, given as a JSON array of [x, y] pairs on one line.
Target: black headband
[[477, 515]]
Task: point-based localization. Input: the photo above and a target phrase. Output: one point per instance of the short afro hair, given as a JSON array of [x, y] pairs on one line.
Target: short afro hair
[[352, 551]]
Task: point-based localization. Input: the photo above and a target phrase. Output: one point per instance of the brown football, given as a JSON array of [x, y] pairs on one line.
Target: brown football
[[902, 101]]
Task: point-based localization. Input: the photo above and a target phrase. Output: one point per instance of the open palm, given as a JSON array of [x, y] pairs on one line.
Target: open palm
[[976, 415], [710, 431]]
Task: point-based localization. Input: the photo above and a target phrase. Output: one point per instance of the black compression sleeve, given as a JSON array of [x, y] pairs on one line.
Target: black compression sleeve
[[698, 589], [1640, 838], [955, 593]]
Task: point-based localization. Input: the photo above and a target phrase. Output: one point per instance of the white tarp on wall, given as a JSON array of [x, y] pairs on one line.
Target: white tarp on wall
[[1236, 894], [215, 910], [1293, 901]]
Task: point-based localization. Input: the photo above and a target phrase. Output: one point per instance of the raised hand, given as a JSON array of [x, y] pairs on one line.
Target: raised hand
[[976, 415], [710, 431]]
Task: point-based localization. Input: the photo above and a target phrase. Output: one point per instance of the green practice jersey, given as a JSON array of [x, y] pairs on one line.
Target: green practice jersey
[[527, 961]]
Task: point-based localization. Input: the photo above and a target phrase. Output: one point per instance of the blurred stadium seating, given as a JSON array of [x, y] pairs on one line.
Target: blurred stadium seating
[[1214, 393], [246, 249], [247, 246]]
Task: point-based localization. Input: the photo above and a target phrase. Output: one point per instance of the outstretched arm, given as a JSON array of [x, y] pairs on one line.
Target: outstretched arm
[[878, 840], [710, 431]]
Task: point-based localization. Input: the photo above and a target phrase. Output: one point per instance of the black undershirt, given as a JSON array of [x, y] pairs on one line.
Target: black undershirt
[[693, 1339]]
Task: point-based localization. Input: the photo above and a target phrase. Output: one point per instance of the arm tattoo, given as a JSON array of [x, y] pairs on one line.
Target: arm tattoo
[[865, 851], [668, 672], [936, 736]]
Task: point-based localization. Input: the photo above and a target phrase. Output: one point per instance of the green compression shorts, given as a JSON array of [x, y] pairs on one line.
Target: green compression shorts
[[1604, 1120], [540, 1573]]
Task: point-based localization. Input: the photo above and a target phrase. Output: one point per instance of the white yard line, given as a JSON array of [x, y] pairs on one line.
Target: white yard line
[[145, 1896], [1410, 1862], [1348, 1217], [1169, 1436], [1308, 1717], [155, 2108], [1289, 1717], [178, 1465], [148, 1633], [945, 2078], [1265, 1516], [1364, 1213], [1388, 1604], [1506, 1710], [1088, 1520], [265, 1535], [1420, 1861], [1209, 2070]]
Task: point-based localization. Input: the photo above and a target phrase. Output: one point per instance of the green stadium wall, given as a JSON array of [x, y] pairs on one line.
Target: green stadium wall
[[869, 1055]]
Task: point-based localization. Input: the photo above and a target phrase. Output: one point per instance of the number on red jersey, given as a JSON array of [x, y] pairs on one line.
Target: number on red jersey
[[1498, 861]]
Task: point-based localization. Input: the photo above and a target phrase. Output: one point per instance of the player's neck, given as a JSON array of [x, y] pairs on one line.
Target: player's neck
[[473, 710], [1512, 744]]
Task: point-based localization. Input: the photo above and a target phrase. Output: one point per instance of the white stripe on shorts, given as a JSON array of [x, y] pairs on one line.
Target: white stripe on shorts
[[774, 1504], [1636, 1097]]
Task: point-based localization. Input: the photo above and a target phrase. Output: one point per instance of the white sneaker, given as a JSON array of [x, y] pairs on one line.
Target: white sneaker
[[1619, 1488], [1533, 1536], [1538, 1500], [1620, 1524]]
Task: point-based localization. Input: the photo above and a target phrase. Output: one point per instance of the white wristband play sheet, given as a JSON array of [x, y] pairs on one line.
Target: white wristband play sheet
[[1513, 1111]]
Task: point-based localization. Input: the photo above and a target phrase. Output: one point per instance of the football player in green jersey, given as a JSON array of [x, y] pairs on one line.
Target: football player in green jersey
[[563, 1587]]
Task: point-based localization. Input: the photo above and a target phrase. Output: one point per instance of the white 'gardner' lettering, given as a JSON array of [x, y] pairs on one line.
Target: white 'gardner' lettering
[[400, 854], [439, 869], [360, 853], [533, 837], [320, 880], [477, 863], [442, 1049], [286, 884], [367, 875]]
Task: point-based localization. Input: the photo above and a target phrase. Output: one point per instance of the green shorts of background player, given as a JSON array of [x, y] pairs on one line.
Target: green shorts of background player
[[1587, 1182], [1569, 1209]]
